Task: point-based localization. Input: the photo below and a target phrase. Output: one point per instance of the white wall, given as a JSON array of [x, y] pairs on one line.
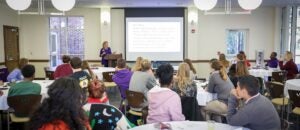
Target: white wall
[[7, 17], [35, 29], [209, 38], [34, 40], [210, 35]]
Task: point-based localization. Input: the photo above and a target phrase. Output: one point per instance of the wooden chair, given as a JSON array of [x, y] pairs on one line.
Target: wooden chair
[[279, 76], [135, 100], [49, 73], [22, 107], [295, 101], [107, 78], [275, 90]]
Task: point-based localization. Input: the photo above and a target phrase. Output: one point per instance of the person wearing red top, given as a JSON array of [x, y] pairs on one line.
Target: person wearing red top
[[245, 58], [289, 65], [97, 92], [64, 69], [63, 109]]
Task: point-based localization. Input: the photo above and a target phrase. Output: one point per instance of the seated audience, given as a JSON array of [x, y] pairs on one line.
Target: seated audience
[[224, 61], [16, 74], [232, 69], [64, 69], [289, 65], [183, 84], [82, 76], [273, 62], [122, 77], [193, 72], [137, 66], [258, 113], [26, 86], [220, 84], [241, 70], [164, 104], [245, 58], [142, 81], [97, 92], [62, 110], [86, 67]]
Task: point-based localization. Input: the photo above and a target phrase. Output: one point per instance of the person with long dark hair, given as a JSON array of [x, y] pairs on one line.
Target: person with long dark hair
[[62, 110]]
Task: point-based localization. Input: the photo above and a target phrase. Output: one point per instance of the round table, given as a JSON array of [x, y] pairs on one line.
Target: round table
[[191, 125], [44, 89], [203, 97], [263, 73], [99, 70], [293, 84]]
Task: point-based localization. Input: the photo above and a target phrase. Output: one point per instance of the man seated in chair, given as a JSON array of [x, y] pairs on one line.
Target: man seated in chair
[[26, 86], [64, 69], [258, 113], [82, 76], [164, 103]]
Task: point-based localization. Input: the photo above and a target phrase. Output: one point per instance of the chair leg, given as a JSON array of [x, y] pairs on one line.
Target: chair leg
[[8, 123], [298, 122]]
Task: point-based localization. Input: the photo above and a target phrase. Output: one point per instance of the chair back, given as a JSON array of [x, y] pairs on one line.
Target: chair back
[[134, 99], [279, 76], [107, 76], [275, 89], [295, 97], [190, 109], [24, 105], [49, 74]]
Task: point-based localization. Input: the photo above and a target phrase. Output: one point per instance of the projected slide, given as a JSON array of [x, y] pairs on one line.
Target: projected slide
[[158, 39]]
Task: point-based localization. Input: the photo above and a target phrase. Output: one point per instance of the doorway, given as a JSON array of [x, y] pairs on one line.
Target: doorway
[[11, 47]]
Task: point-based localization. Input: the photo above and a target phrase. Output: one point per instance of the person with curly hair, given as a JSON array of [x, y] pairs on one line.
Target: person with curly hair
[[62, 110]]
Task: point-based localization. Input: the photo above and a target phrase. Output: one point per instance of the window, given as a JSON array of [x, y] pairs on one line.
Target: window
[[297, 48], [66, 38], [235, 41]]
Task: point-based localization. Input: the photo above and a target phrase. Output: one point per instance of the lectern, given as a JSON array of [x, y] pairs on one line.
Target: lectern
[[112, 59]]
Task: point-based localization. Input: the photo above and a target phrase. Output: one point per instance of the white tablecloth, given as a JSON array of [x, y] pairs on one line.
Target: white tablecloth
[[99, 70], [263, 73], [203, 97], [44, 88], [191, 125], [293, 84]]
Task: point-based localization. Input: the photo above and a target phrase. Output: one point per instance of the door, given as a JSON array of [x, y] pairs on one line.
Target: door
[[11, 46]]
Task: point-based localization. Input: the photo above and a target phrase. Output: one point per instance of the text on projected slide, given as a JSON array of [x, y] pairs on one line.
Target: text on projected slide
[[154, 36]]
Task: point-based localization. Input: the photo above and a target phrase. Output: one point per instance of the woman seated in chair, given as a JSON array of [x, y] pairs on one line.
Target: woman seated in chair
[[288, 64], [62, 110], [164, 104], [86, 67], [183, 84], [97, 92], [16, 74], [241, 70], [220, 84]]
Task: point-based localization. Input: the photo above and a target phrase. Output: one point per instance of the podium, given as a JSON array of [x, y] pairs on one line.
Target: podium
[[112, 59]]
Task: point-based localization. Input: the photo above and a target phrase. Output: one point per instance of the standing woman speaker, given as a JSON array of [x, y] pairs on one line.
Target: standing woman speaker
[[105, 50]]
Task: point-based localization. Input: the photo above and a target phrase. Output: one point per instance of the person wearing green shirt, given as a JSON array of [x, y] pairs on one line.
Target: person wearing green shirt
[[26, 86]]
